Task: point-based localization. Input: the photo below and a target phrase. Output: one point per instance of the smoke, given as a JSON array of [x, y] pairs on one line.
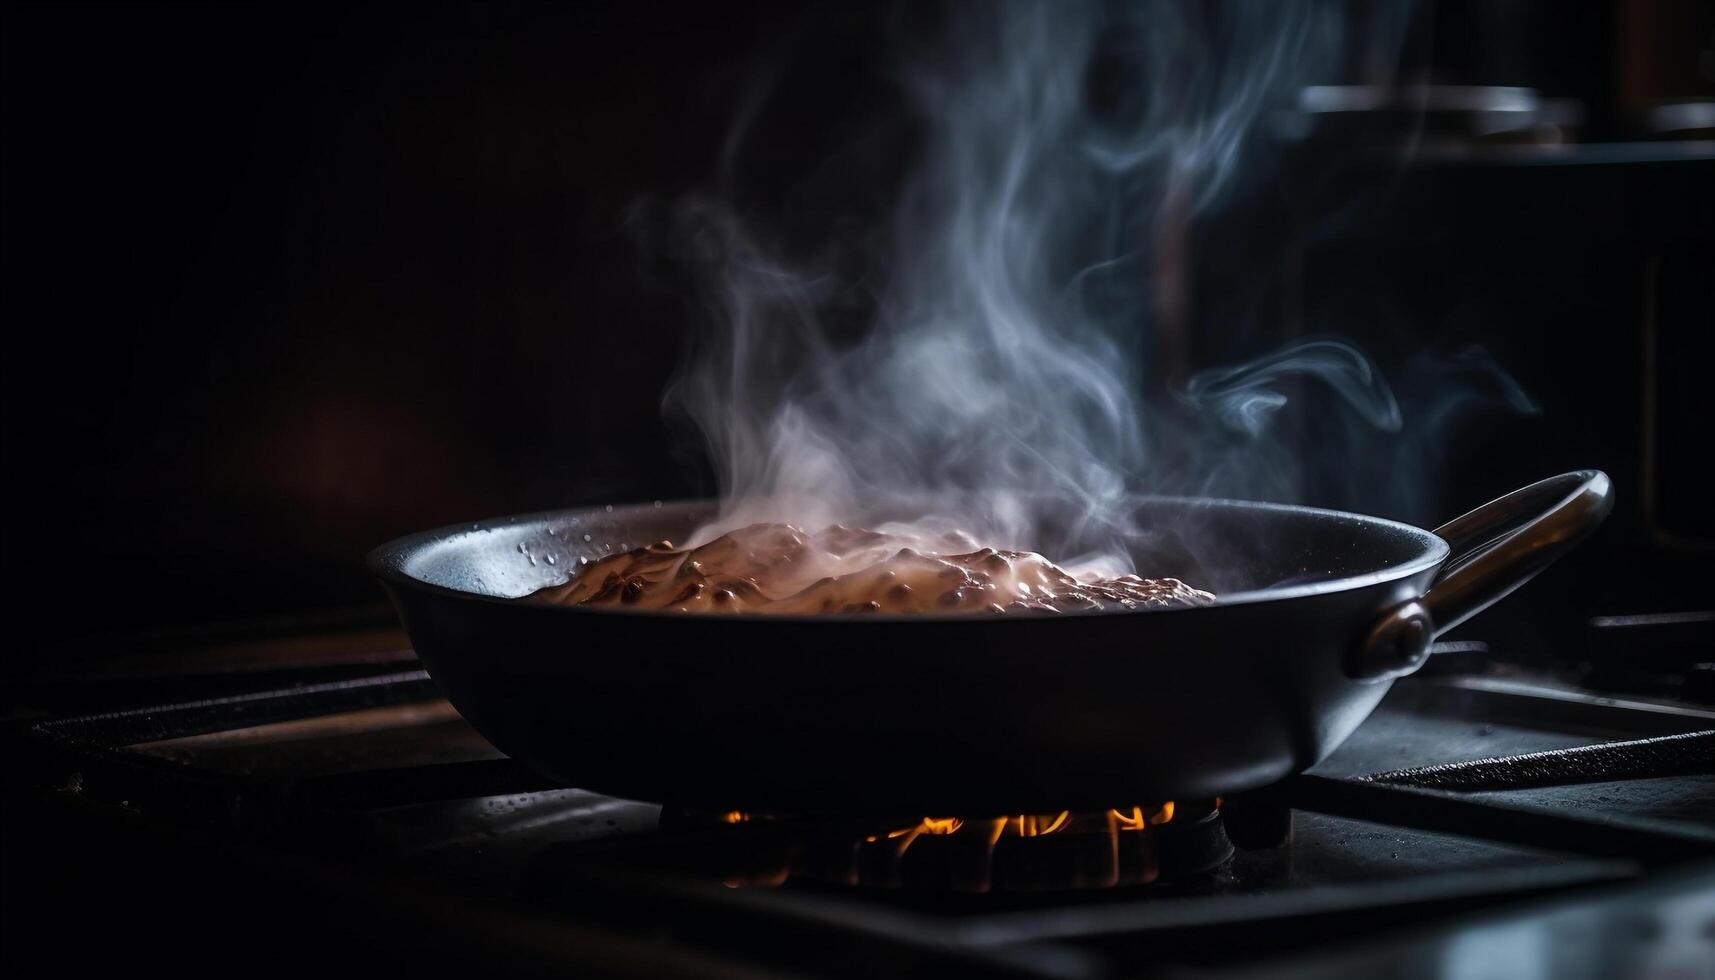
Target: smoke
[[1243, 399], [984, 342]]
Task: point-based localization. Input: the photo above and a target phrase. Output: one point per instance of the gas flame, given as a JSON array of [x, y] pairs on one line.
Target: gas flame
[[1104, 848], [1026, 824], [933, 826], [1037, 825], [1137, 818]]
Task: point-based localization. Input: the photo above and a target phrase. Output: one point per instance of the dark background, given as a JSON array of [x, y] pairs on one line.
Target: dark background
[[285, 283]]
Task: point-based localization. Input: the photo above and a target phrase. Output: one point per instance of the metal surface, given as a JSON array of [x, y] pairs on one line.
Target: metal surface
[[1495, 549], [904, 714], [1506, 542], [1527, 825], [1688, 754]]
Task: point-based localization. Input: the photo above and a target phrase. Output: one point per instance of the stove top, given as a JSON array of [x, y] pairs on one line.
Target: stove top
[[332, 805]]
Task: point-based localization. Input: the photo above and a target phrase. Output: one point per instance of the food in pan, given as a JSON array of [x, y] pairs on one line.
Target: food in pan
[[778, 568]]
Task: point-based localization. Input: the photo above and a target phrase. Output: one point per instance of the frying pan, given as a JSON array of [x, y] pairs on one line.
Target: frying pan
[[970, 714]]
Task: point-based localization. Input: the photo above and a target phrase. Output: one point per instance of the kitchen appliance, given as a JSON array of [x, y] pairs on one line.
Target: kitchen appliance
[[302, 798]]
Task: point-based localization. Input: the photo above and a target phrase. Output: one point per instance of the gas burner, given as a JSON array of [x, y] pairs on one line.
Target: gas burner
[[1037, 852], [336, 782]]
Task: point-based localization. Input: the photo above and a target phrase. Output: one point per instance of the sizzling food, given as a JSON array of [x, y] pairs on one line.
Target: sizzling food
[[778, 568]]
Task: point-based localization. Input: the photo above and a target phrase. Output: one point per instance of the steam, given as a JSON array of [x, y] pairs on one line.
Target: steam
[[1245, 398], [987, 343]]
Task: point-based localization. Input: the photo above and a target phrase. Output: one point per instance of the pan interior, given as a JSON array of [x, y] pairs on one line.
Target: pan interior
[[1239, 550]]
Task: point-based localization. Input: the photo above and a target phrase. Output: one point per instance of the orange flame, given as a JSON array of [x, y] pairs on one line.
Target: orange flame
[[933, 826], [1130, 858], [1039, 825], [1025, 824], [1137, 819]]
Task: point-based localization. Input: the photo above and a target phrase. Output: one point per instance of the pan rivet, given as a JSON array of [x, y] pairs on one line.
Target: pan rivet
[[1398, 645], [1411, 635]]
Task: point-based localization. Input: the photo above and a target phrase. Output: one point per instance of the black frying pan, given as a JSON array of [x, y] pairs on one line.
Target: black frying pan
[[968, 714]]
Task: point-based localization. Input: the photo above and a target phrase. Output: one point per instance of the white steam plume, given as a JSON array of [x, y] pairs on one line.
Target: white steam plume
[[985, 343]]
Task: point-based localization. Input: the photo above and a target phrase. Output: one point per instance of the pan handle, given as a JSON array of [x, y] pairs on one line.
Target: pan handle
[[1495, 549]]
